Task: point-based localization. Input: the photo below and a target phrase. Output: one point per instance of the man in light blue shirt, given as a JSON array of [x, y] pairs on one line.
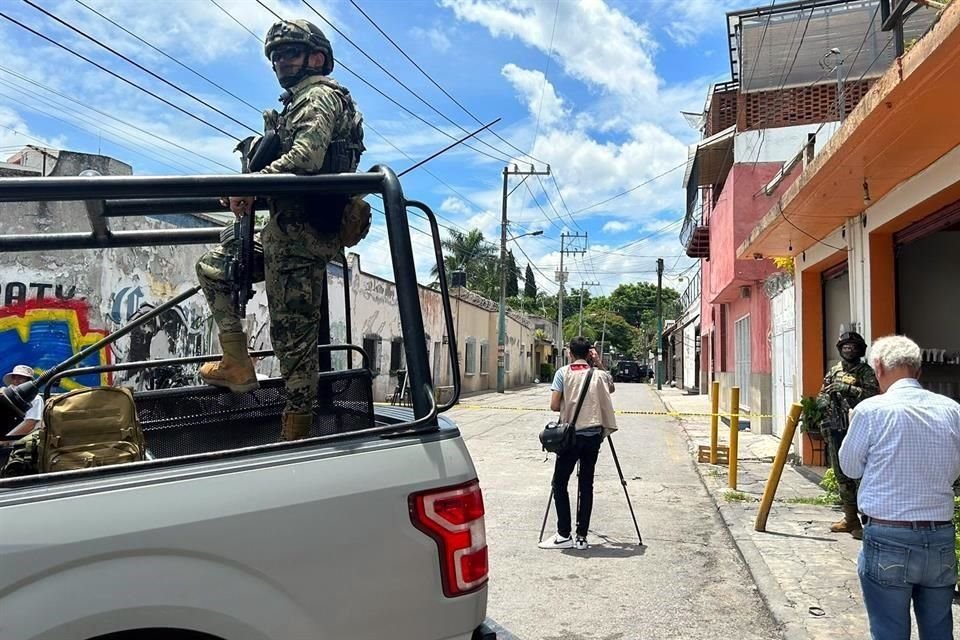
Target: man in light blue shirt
[[904, 445]]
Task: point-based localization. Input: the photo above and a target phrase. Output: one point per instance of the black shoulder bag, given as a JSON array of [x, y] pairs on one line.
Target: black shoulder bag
[[558, 436]]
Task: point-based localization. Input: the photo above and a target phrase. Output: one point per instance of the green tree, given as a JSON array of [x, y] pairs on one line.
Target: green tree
[[513, 275], [472, 253], [529, 284]]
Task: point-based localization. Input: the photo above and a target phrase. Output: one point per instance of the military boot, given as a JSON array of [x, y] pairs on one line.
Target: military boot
[[235, 369], [296, 426], [849, 524]]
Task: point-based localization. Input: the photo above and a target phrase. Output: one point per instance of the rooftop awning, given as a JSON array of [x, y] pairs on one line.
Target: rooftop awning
[[713, 158], [767, 51], [899, 128]]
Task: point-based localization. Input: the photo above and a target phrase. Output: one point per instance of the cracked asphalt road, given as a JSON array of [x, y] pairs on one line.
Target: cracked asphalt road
[[687, 582]]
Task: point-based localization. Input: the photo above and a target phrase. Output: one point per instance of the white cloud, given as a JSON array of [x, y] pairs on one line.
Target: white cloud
[[540, 96], [687, 21], [437, 38], [594, 42], [15, 134], [615, 226], [455, 205]]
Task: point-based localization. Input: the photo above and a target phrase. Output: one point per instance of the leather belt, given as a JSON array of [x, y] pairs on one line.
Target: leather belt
[[912, 524]]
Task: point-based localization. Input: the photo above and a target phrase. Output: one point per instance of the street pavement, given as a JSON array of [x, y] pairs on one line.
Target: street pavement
[[805, 574], [688, 581]]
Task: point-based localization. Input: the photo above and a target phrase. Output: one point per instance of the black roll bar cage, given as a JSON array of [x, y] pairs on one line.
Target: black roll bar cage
[[113, 196]]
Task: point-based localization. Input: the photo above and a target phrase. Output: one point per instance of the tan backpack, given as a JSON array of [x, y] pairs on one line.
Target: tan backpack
[[90, 428]]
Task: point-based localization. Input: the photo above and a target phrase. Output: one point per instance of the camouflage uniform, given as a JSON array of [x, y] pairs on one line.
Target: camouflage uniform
[[319, 131], [212, 274], [295, 252], [855, 381]]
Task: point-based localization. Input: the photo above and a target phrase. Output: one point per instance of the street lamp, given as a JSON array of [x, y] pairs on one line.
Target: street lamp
[[502, 319]]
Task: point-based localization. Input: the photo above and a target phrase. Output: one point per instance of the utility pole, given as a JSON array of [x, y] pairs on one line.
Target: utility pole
[[603, 334], [584, 285], [502, 319], [659, 323], [561, 278]]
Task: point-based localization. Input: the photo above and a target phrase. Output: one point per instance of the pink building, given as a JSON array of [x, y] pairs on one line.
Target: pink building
[[759, 130]]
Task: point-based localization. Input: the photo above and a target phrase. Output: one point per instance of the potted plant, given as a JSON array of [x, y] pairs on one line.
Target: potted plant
[[813, 448]]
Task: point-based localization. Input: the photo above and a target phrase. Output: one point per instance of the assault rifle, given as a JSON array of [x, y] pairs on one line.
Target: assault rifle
[[837, 416], [256, 152]]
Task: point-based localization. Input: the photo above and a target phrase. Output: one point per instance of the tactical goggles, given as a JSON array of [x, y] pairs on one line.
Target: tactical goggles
[[287, 52]]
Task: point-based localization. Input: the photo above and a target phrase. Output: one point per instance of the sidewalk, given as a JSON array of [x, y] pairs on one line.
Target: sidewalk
[[805, 574]]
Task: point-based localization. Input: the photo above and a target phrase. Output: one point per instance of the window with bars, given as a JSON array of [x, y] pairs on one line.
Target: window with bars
[[470, 357], [396, 355], [741, 339], [371, 345], [484, 356]]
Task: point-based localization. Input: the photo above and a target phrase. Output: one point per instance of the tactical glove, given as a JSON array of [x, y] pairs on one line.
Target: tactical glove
[[843, 389]]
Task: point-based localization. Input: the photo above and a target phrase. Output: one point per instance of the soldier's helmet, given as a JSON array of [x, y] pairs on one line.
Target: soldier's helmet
[[299, 32], [854, 338]]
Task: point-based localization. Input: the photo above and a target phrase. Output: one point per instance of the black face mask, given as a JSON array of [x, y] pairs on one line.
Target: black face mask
[[854, 357]]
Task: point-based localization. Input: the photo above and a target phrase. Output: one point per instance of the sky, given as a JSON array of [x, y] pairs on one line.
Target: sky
[[593, 89]]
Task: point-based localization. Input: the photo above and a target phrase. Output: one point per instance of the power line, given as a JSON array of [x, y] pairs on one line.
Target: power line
[[553, 175], [550, 202], [546, 70], [632, 189], [230, 15], [139, 66], [168, 56], [59, 119], [118, 76], [437, 85], [107, 115], [503, 157], [542, 210]]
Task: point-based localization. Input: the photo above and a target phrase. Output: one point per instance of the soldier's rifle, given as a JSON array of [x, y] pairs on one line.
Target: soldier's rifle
[[838, 413], [256, 152]]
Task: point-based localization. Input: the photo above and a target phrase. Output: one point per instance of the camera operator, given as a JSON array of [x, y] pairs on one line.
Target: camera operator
[[596, 420]]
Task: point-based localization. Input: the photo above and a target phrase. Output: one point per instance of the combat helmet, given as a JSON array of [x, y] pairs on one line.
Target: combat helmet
[[854, 338], [300, 32]]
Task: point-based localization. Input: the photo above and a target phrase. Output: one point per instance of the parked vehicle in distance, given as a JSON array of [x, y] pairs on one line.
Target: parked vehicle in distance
[[631, 371]]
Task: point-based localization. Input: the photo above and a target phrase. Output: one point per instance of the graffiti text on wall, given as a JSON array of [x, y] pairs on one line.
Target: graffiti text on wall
[[46, 331], [18, 292]]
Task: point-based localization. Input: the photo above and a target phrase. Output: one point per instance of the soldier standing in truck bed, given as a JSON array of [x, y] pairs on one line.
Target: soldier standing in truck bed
[[320, 131]]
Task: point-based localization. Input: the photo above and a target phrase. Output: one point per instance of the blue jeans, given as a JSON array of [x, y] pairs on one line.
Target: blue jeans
[[900, 564]]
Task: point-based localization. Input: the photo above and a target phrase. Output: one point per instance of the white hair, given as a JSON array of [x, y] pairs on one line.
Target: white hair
[[893, 352]]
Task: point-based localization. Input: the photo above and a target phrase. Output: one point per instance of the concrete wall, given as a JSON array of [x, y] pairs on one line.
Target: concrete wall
[[56, 303]]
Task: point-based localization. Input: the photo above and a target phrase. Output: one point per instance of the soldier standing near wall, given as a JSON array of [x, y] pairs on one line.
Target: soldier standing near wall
[[845, 385], [320, 131]]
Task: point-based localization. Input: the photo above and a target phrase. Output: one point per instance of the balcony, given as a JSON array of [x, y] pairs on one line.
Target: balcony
[[695, 238]]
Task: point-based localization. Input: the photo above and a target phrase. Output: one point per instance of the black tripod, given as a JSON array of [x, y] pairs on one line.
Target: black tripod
[[623, 482]]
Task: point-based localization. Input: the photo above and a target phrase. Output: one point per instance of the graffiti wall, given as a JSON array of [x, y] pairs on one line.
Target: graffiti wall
[[181, 331], [44, 330]]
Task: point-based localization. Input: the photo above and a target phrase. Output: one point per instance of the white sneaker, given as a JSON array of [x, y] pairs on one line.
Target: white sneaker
[[581, 544], [557, 542]]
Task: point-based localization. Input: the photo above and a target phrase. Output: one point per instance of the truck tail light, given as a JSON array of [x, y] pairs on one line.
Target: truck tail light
[[453, 517]]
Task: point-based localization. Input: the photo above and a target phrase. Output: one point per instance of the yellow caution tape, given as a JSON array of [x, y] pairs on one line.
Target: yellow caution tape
[[624, 412]]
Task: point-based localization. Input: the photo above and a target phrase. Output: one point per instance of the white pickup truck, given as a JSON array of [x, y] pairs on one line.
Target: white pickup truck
[[371, 529]]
